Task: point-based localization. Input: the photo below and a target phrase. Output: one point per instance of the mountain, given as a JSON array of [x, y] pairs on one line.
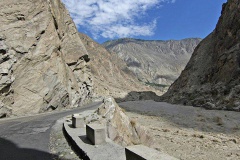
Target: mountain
[[211, 79], [157, 63], [43, 62], [46, 64], [111, 75]]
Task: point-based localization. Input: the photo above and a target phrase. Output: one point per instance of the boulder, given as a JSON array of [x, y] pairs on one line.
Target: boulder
[[119, 127]]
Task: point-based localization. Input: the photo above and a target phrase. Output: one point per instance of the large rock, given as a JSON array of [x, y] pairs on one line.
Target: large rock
[[157, 63], [211, 78], [119, 127], [43, 63]]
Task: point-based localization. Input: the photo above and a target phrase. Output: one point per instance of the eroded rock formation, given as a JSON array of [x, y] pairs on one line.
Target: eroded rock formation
[[43, 63], [211, 79]]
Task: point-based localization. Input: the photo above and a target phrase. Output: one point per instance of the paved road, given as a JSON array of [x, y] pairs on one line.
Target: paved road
[[28, 138]]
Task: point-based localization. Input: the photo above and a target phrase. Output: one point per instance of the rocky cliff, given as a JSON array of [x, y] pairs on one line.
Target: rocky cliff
[[119, 128], [157, 63], [111, 75], [43, 63], [211, 79]]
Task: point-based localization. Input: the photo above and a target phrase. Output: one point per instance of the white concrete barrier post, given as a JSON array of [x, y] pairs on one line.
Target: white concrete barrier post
[[96, 133], [78, 121]]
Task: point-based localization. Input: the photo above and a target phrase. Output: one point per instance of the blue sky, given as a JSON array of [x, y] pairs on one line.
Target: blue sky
[[104, 20]]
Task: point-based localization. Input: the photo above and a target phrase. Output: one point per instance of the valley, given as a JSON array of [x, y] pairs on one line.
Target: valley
[[180, 98]]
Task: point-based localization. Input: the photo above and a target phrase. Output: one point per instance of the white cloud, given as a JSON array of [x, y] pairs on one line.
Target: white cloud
[[119, 30], [113, 18]]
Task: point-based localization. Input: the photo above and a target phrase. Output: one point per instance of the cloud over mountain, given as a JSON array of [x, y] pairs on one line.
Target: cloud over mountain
[[114, 18]]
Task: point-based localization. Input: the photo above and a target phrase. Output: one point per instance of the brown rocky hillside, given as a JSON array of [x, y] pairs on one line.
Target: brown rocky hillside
[[43, 63], [211, 79], [157, 63], [111, 75]]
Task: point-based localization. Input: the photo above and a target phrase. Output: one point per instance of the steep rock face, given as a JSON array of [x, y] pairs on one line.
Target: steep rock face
[[43, 63], [156, 62], [111, 75], [211, 78]]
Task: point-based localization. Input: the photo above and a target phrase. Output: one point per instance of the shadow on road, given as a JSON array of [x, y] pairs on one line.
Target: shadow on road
[[10, 151]]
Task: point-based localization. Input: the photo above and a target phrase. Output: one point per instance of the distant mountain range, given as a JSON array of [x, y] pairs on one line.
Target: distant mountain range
[[158, 63], [111, 75]]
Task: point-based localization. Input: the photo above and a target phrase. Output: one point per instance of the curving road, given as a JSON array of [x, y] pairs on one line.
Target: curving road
[[27, 138]]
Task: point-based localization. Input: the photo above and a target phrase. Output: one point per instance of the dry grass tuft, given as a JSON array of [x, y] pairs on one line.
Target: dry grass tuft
[[218, 120], [133, 122], [123, 110]]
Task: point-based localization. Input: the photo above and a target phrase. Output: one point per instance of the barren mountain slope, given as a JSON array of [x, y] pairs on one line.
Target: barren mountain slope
[[110, 74], [157, 62], [43, 63], [211, 79]]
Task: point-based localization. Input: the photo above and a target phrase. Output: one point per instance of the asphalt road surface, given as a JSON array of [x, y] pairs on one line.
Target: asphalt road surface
[[27, 138]]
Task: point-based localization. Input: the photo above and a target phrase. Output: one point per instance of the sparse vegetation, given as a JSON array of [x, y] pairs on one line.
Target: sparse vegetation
[[198, 136], [218, 120], [133, 122], [156, 85], [123, 110], [166, 130]]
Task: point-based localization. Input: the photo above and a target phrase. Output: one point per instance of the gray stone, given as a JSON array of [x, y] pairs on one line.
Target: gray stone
[[4, 110], [96, 133]]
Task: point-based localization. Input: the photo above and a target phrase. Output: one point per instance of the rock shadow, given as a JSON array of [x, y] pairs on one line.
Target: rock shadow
[[85, 140], [71, 126], [10, 151]]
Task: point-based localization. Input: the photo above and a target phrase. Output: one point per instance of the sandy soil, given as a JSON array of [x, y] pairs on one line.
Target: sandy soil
[[187, 132]]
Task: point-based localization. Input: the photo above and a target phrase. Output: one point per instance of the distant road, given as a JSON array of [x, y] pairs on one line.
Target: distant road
[[27, 138]]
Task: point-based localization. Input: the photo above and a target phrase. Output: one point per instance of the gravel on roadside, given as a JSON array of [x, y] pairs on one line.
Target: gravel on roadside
[[59, 146]]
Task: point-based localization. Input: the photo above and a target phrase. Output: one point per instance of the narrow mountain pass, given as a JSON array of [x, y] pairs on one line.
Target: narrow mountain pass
[[28, 137]]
